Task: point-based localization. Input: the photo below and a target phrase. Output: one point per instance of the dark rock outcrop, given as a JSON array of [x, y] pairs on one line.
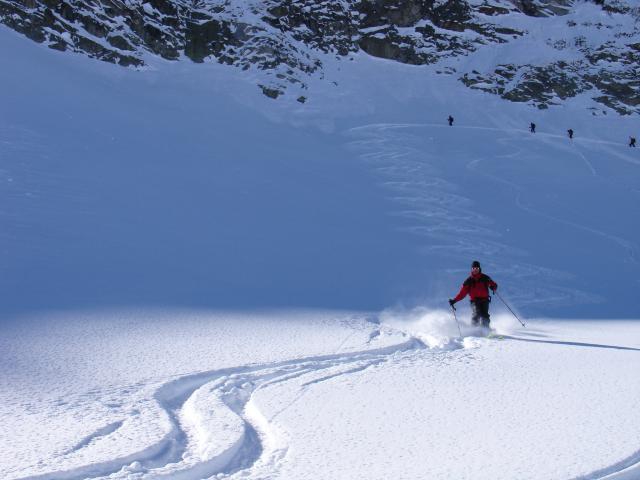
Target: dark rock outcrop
[[288, 39]]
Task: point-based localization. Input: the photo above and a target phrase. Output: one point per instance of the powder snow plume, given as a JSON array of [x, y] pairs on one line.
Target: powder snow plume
[[437, 328]]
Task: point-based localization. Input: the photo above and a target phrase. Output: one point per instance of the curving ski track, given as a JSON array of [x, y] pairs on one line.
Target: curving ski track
[[253, 448], [198, 404]]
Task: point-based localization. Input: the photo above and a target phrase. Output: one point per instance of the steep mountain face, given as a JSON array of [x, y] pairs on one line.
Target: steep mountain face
[[564, 47]]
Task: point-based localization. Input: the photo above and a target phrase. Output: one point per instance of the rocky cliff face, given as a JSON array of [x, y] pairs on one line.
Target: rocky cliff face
[[597, 50]]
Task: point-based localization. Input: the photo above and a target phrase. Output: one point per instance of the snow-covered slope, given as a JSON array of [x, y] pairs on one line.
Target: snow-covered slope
[[88, 393], [305, 395], [136, 205], [183, 186], [494, 409]]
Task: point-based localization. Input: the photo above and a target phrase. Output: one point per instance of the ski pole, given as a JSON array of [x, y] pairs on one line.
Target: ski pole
[[456, 317], [512, 312]]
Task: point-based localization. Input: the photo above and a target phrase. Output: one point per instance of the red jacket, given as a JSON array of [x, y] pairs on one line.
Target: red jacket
[[477, 286]]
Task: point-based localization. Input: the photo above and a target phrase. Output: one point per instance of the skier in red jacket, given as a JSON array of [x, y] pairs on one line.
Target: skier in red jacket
[[477, 286]]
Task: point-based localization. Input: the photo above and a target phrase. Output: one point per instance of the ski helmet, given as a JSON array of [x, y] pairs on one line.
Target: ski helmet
[[475, 264]]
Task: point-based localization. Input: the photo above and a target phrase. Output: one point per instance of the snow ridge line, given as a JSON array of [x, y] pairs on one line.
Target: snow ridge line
[[234, 387]]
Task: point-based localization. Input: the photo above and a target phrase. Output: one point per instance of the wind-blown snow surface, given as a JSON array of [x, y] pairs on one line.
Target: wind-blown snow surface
[[136, 205]]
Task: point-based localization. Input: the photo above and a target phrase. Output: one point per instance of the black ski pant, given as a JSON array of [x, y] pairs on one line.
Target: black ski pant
[[480, 311]]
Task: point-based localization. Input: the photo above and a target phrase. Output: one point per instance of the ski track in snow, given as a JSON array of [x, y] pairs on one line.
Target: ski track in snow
[[585, 159], [433, 205], [629, 247], [200, 405], [440, 212], [626, 469], [436, 209], [217, 429], [102, 432]]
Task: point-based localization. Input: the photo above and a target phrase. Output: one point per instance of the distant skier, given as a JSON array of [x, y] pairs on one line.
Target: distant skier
[[532, 127], [450, 120], [570, 132], [477, 286], [632, 142]]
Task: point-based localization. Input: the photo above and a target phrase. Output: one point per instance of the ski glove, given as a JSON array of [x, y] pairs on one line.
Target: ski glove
[[451, 302], [493, 289]]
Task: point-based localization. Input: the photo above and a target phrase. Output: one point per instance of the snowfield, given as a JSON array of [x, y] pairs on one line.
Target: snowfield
[[305, 395], [99, 392], [200, 282]]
